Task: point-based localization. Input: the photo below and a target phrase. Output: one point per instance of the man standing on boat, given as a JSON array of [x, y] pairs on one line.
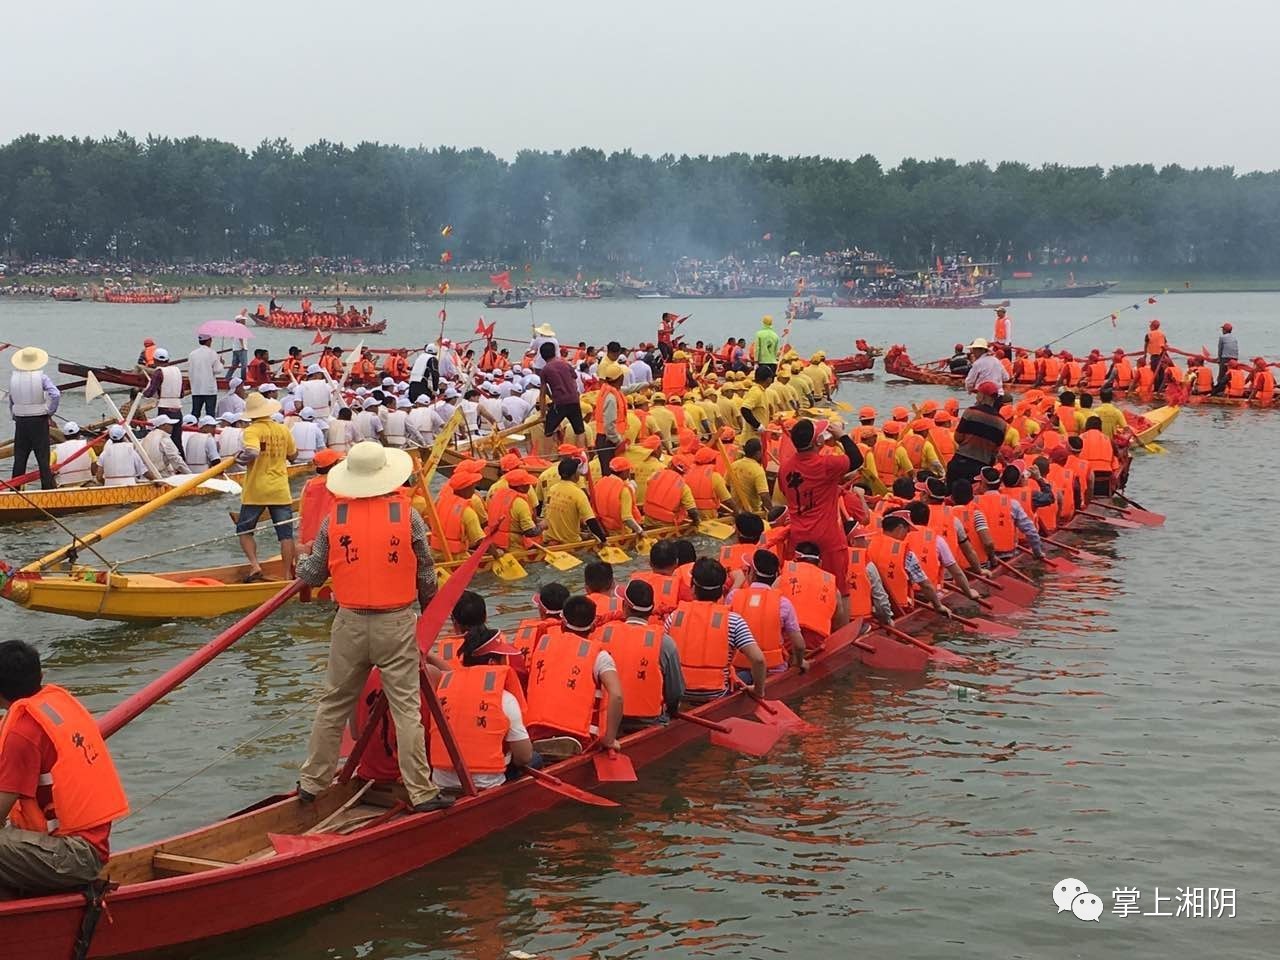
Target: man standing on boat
[[59, 789], [33, 400], [767, 346], [268, 448], [1228, 350], [203, 368], [1003, 330], [986, 368], [979, 435], [373, 546]]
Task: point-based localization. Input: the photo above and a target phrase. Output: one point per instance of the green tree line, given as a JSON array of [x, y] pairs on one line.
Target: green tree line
[[201, 199]]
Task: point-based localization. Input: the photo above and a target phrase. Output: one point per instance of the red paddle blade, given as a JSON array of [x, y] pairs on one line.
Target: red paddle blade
[[1062, 565], [1000, 607], [1118, 522], [614, 767], [1015, 591], [989, 627], [878, 652], [777, 713], [754, 739], [556, 785], [1145, 517]]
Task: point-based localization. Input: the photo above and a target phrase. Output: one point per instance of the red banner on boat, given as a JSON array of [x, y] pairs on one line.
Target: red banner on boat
[[501, 280], [486, 332], [322, 339]]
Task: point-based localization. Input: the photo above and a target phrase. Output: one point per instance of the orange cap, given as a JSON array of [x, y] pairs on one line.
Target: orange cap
[[568, 450], [325, 458], [521, 478], [463, 480], [892, 428], [901, 413], [928, 407], [652, 441], [705, 455], [620, 465], [867, 413]]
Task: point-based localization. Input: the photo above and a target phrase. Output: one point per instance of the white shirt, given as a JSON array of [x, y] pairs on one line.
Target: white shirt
[[120, 463], [493, 407], [164, 453], [80, 471], [986, 369], [536, 346], [316, 394], [367, 425], [199, 450], [515, 410], [340, 435], [203, 368], [448, 780], [230, 441], [308, 438], [231, 403], [640, 372]]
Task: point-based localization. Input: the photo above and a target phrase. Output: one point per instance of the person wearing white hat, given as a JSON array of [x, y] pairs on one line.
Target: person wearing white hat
[[425, 420], [395, 424], [340, 432], [119, 463], [489, 407], [268, 390], [316, 392], [231, 436], [233, 401], [268, 448], [307, 436], [199, 447], [160, 448], [542, 334], [33, 400], [985, 368], [366, 424], [204, 366], [167, 385], [373, 549], [515, 409], [79, 470], [450, 364]]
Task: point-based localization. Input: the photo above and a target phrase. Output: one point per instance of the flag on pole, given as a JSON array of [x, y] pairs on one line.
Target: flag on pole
[[92, 388], [322, 339], [485, 331], [446, 257], [501, 280]]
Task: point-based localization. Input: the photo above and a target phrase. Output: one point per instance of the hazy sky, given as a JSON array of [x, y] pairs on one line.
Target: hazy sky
[[1076, 82]]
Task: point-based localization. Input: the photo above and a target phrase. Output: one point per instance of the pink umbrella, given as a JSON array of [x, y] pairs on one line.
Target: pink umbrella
[[224, 328]]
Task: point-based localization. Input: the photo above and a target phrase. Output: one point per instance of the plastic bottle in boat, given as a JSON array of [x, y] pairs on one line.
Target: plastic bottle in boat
[[962, 693]]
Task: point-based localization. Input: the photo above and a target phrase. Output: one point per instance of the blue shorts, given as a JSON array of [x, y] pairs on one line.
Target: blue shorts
[[280, 516]]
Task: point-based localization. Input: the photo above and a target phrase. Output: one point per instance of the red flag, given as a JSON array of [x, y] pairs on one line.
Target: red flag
[[446, 257], [938, 262], [767, 236], [485, 331], [443, 288], [501, 280], [1151, 299], [1113, 320], [323, 340]]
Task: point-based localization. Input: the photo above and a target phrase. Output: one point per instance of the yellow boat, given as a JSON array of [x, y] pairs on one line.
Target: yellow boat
[[181, 595], [39, 504], [1160, 419], [94, 594]]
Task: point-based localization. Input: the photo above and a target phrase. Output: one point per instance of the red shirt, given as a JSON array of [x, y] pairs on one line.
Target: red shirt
[[28, 755], [811, 484], [561, 382]]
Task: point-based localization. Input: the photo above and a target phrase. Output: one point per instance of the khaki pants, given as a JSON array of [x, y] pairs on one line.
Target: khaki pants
[[357, 643], [33, 863]]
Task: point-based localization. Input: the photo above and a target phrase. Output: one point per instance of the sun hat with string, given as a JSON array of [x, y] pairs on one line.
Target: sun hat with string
[[369, 470]]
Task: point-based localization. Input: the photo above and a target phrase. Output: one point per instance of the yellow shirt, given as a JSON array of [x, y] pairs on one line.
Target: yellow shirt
[[803, 387], [547, 479], [728, 411], [472, 528], [749, 484], [266, 483], [633, 426], [778, 398], [758, 403], [531, 497], [643, 472], [568, 508], [710, 412], [521, 522], [817, 379], [664, 422], [1112, 418]]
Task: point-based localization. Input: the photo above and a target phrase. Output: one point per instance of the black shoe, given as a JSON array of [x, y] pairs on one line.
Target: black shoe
[[305, 796], [441, 801]]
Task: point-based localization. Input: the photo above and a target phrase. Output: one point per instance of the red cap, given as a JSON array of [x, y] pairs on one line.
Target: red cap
[[521, 478], [704, 455], [1226, 328], [988, 389], [325, 458]]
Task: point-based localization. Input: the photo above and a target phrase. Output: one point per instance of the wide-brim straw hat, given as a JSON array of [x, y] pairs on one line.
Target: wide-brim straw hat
[[258, 407], [29, 358], [370, 470], [544, 330]]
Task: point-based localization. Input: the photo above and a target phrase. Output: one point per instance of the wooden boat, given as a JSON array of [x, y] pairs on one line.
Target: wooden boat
[[39, 504], [132, 378], [1199, 399], [912, 302], [65, 295], [1046, 293], [864, 359], [137, 296], [270, 861], [324, 322], [506, 304], [1146, 427]]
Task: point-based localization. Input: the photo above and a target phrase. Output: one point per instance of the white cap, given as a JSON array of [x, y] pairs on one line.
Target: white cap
[[526, 370], [402, 386], [267, 388], [423, 400], [208, 421], [451, 394], [361, 392], [161, 354], [314, 368], [189, 420], [234, 382], [116, 432], [160, 420], [307, 413], [70, 427], [371, 404], [431, 348], [278, 417], [402, 403], [231, 416]]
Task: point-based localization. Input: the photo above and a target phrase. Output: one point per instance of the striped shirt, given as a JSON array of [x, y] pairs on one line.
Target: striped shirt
[[739, 637], [980, 434]]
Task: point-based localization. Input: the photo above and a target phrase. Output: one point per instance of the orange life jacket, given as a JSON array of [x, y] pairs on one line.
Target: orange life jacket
[[1098, 451], [1073, 370], [1024, 370], [1145, 379], [1066, 417], [1084, 473], [608, 607], [449, 649], [662, 497], [1097, 371], [149, 355], [620, 405], [759, 606], [499, 511], [890, 557], [86, 789], [449, 508], [471, 703], [529, 632], [1008, 367], [1156, 341], [886, 463], [371, 560], [666, 594], [1235, 382], [313, 507], [1052, 367], [700, 629], [812, 591], [1264, 386], [674, 378], [1001, 328], [944, 442], [1203, 382], [1063, 480], [291, 367], [942, 523], [737, 556], [635, 649], [562, 693], [913, 444], [923, 542], [701, 479], [965, 513], [995, 507], [1124, 373], [1023, 495], [607, 501], [860, 604]]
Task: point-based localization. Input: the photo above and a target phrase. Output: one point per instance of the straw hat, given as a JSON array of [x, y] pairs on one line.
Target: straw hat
[[258, 407], [370, 470], [29, 358], [544, 330]]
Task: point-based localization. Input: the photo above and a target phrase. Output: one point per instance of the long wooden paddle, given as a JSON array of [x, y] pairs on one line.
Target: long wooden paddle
[[556, 785], [1060, 564], [1011, 590], [1014, 570], [1118, 522], [737, 733], [33, 475], [164, 684], [1134, 513]]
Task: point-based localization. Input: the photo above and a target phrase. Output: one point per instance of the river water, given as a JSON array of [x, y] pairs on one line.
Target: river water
[[1126, 738]]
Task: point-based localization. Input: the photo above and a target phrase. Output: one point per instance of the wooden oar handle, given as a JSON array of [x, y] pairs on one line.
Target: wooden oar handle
[[1014, 570]]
